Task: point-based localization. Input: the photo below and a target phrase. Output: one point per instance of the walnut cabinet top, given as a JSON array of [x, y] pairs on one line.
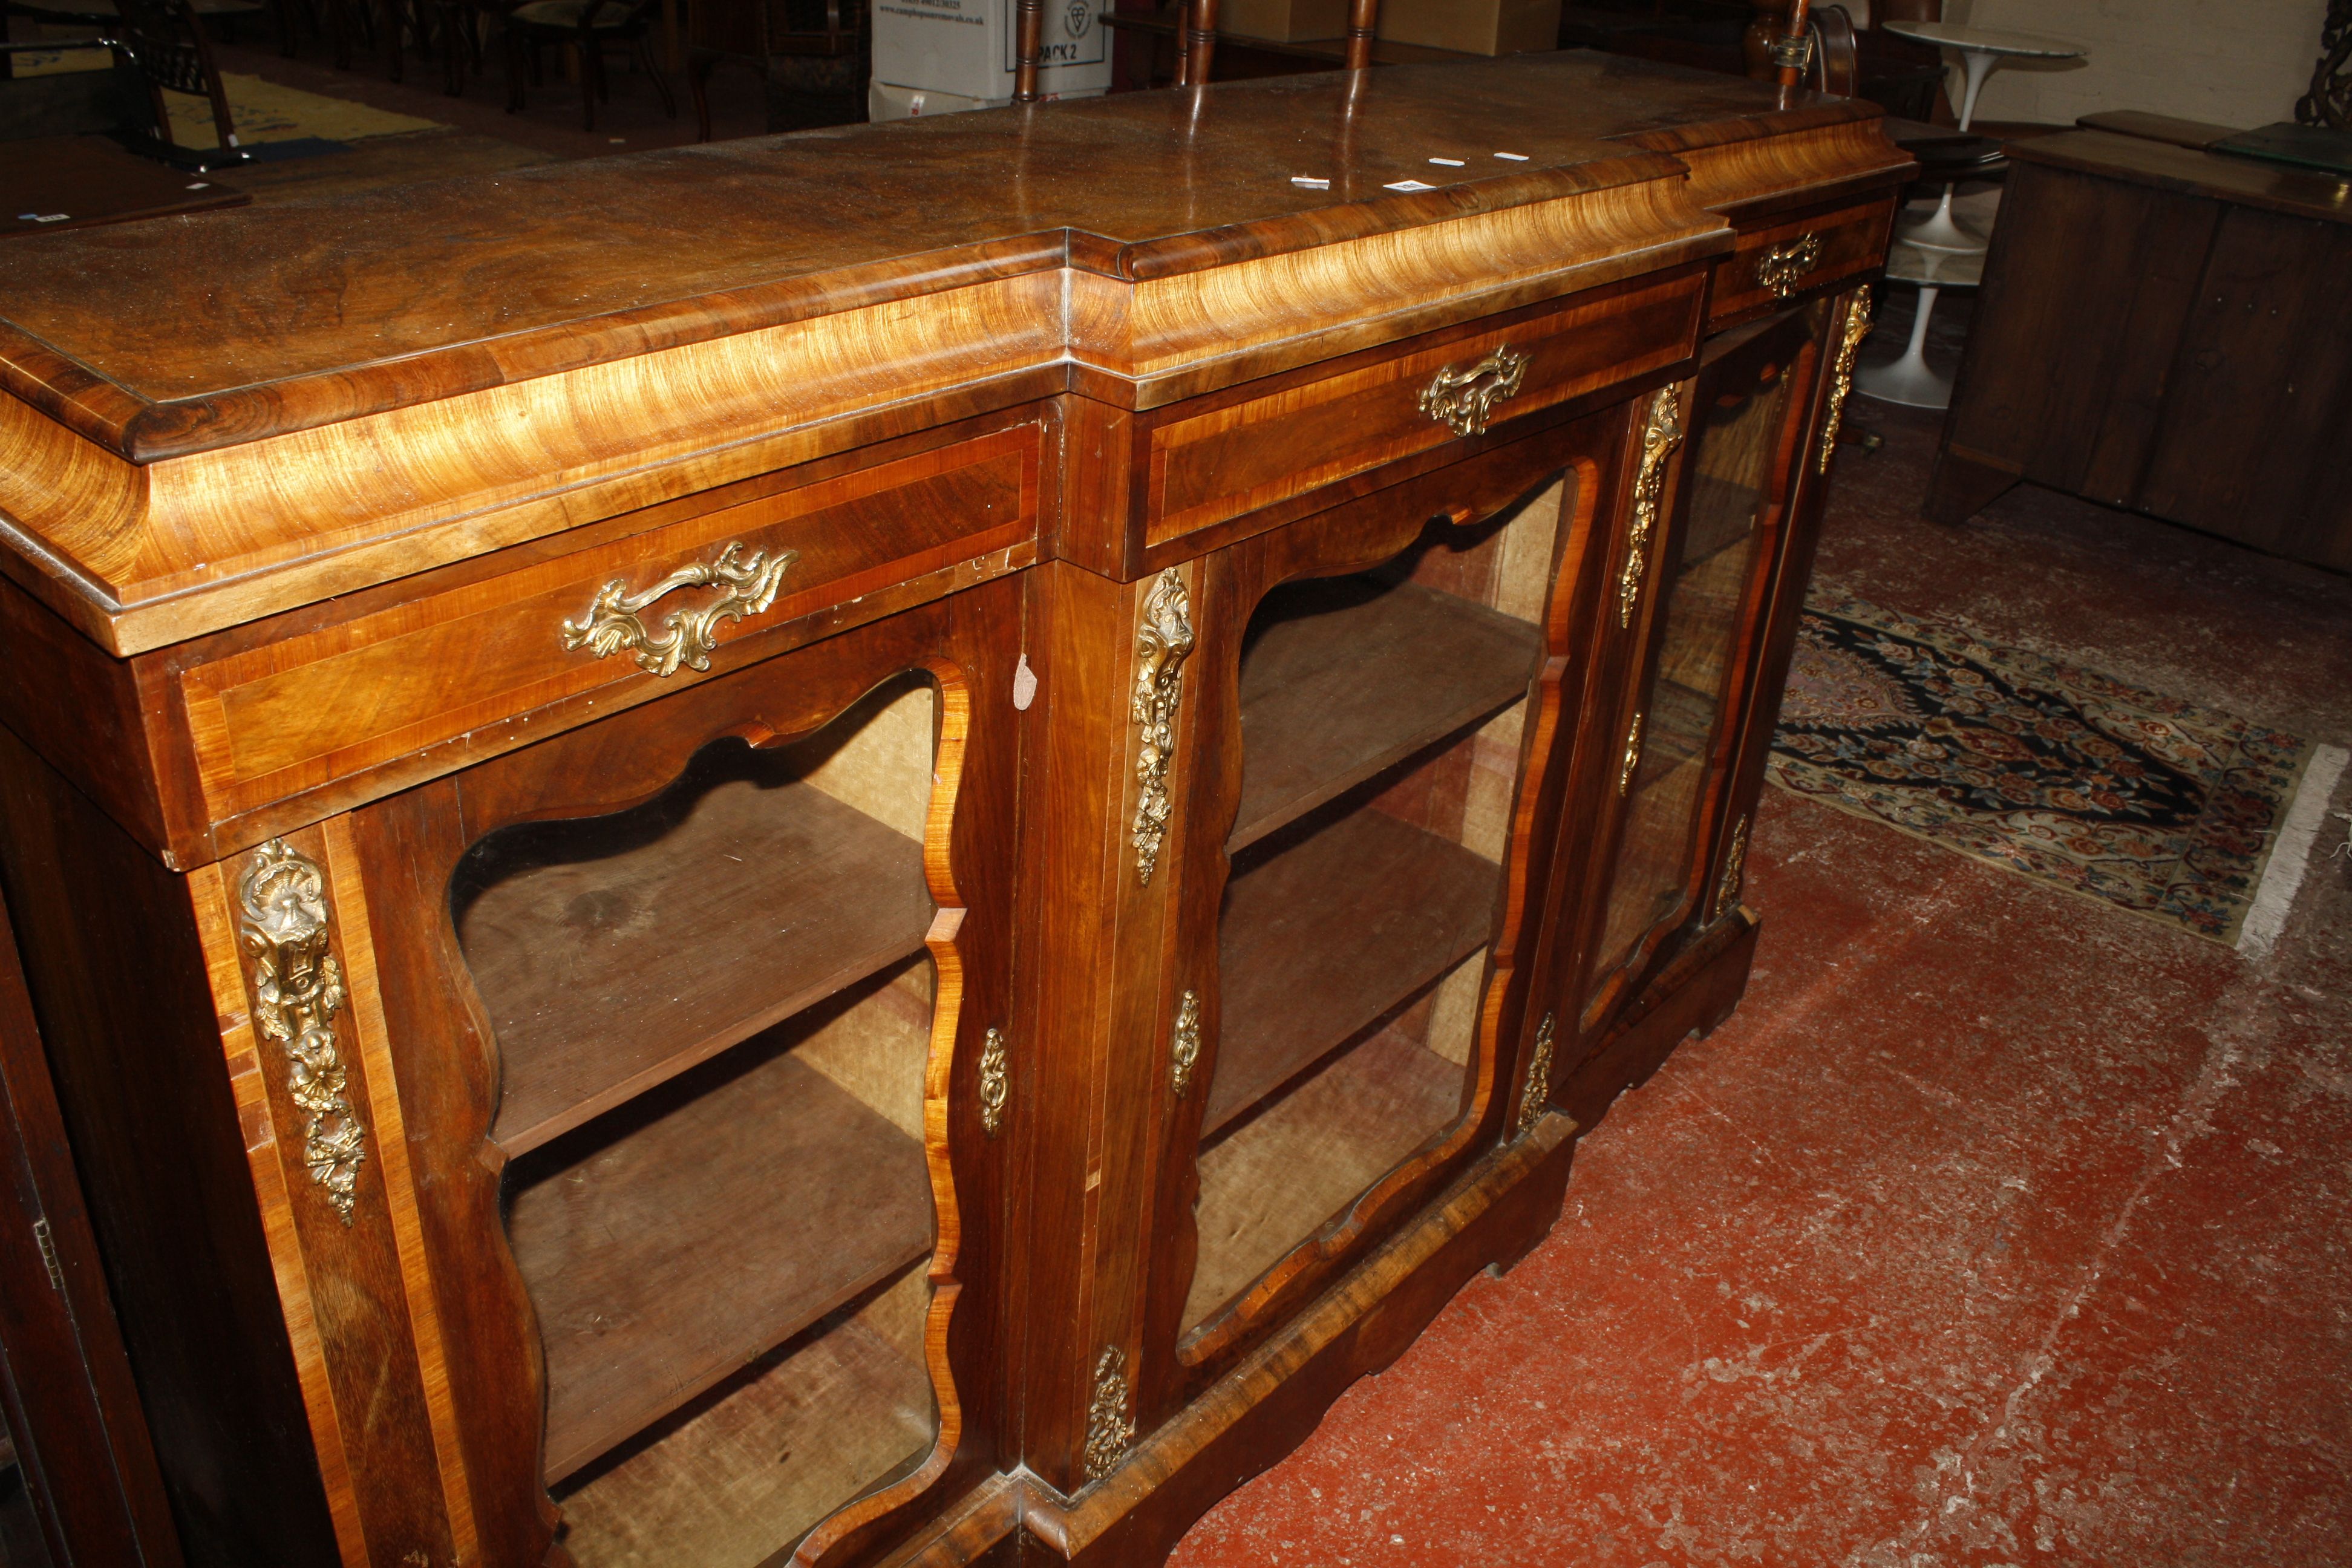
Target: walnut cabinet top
[[217, 418]]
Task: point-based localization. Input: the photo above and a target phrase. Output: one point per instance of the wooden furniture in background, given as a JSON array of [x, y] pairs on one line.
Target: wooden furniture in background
[[2164, 329], [881, 860], [2329, 100], [812, 49], [78, 1439], [588, 28], [54, 183]]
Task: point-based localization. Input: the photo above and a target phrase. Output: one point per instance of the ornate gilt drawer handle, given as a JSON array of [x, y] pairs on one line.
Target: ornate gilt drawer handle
[[1463, 400], [613, 624], [1783, 267]]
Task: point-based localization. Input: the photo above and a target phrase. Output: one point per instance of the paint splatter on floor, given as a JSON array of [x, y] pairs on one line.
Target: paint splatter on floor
[[1994, 1228]]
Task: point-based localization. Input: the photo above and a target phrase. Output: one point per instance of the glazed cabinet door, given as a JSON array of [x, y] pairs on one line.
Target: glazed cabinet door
[[1378, 743], [1696, 609], [697, 1016]]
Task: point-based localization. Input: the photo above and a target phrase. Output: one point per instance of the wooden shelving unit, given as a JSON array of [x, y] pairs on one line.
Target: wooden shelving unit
[[1674, 735], [764, 900], [1319, 942], [1345, 677], [735, 1206], [1282, 1177], [803, 1430]]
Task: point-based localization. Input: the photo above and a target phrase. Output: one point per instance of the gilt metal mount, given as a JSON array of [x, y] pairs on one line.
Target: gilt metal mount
[[614, 622], [1185, 1048], [1857, 327], [1110, 1425], [993, 1088], [298, 989], [1632, 755], [1162, 643], [1463, 400], [1662, 432], [1537, 1092], [1735, 867]]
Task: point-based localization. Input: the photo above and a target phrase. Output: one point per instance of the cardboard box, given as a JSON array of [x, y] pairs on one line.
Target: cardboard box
[[1472, 26], [885, 103], [964, 48], [1284, 19]]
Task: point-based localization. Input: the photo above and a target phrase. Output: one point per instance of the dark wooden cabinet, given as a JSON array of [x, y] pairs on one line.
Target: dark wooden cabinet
[[899, 911], [2164, 328]]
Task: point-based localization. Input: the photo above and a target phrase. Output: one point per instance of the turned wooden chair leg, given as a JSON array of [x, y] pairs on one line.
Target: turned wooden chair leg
[[698, 82], [396, 24], [643, 54], [591, 76], [515, 46]]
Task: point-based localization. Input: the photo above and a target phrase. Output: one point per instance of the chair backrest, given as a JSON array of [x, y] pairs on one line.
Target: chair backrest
[[164, 40], [1884, 11], [1196, 41], [1835, 68]]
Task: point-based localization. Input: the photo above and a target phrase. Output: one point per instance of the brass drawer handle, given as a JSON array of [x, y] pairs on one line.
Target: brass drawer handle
[[1782, 267], [1463, 400], [613, 624]]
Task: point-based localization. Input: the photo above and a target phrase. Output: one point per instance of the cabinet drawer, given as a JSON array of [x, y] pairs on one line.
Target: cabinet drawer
[[1234, 455], [477, 666], [1779, 258]]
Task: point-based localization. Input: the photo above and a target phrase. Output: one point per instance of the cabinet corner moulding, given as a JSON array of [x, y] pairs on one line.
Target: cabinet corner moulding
[[1161, 644], [616, 623], [298, 989], [1662, 432]]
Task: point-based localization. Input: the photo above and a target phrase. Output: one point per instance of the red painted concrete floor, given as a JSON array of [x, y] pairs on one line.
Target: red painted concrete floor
[[1995, 1228]]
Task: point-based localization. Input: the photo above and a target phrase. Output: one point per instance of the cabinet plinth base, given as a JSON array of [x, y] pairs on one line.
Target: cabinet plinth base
[[1270, 1404], [1691, 995]]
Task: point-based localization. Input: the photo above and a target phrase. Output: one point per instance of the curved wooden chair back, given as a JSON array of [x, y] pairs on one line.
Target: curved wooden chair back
[[164, 40], [1196, 41], [1836, 65]]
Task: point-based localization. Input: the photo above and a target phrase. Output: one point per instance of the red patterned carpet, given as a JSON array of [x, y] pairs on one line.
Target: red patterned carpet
[[1997, 1227]]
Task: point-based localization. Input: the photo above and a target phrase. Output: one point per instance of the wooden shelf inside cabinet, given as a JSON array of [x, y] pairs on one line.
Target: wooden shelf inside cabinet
[[1350, 677], [1676, 732], [722, 1224], [1325, 936], [607, 977]]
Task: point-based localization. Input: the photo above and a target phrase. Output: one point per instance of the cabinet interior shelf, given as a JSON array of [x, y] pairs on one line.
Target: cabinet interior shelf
[[1674, 735], [1344, 678], [738, 1205], [762, 901], [1323, 939]]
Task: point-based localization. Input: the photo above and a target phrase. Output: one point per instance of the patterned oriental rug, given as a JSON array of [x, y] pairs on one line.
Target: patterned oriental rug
[[2055, 772]]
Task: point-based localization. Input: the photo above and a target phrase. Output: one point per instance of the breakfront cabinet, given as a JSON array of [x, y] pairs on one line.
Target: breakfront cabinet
[[882, 864]]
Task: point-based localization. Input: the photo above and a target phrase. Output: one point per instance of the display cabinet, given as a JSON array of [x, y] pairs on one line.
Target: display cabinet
[[895, 898]]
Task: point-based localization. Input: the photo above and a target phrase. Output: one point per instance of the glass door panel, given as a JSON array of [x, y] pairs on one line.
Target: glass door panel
[[1380, 718], [1739, 427], [714, 1012]]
